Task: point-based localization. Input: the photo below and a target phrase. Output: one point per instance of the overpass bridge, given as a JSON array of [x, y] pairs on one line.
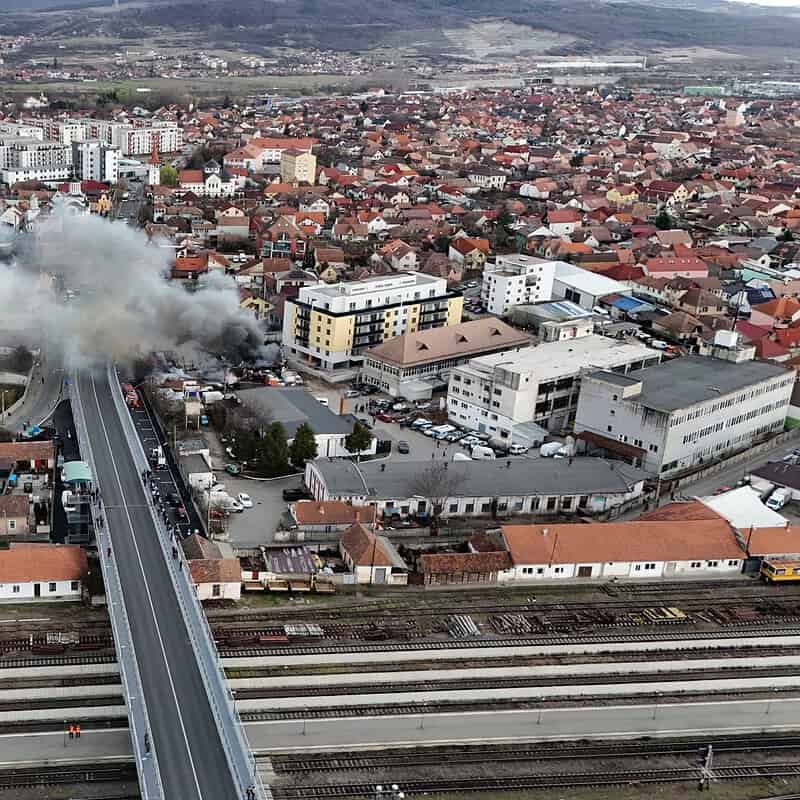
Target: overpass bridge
[[185, 733]]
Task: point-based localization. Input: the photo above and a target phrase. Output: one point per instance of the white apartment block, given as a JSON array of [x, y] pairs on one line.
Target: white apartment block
[[681, 414], [515, 280], [498, 393], [95, 161], [23, 159], [132, 138], [22, 130]]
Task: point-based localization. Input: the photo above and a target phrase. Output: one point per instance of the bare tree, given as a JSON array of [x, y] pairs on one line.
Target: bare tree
[[437, 484]]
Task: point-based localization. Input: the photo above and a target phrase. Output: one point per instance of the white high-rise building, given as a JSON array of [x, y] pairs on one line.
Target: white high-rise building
[[515, 280], [24, 159], [95, 161]]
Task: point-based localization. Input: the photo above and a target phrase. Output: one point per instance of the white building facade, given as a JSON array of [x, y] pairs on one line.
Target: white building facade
[[494, 394], [95, 161], [24, 159], [687, 412], [516, 280]]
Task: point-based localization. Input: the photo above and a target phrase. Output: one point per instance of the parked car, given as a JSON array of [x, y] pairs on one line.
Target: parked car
[[352, 393], [245, 500], [233, 469], [298, 493], [402, 447], [517, 449], [235, 506], [383, 417]]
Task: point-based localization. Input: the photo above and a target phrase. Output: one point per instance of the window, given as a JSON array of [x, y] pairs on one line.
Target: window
[[712, 563], [637, 568], [486, 508], [558, 571], [551, 503], [650, 566], [609, 428], [453, 508], [733, 563], [216, 590], [469, 508], [73, 586], [15, 589], [12, 524], [540, 570], [52, 586]]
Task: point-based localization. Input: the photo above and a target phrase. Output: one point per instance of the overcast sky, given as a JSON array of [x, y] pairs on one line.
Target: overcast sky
[[784, 3]]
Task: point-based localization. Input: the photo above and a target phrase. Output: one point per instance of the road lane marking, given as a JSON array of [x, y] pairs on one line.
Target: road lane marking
[[147, 590]]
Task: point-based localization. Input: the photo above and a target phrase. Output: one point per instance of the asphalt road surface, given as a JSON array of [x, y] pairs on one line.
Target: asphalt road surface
[[183, 732]]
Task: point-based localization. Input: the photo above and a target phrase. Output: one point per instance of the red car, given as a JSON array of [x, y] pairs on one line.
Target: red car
[[383, 417]]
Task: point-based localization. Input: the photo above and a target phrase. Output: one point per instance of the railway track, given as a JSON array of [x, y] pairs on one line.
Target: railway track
[[467, 684], [53, 776], [533, 782], [56, 661], [758, 631], [541, 751], [424, 707]]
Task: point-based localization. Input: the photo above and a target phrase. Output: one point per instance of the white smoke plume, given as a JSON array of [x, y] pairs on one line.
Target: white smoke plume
[[124, 307]]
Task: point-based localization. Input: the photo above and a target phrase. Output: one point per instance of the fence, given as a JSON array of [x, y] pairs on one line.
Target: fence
[[220, 698]]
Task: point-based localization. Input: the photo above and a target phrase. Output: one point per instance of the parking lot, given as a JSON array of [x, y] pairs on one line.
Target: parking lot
[[257, 525]]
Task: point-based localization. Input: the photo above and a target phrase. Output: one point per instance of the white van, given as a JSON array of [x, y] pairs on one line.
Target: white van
[[481, 453], [549, 449], [322, 401]]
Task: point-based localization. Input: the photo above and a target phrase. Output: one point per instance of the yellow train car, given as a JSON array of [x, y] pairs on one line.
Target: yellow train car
[[777, 570]]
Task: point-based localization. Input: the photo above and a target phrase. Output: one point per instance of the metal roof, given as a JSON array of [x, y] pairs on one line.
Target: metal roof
[[292, 407], [77, 472], [499, 478]]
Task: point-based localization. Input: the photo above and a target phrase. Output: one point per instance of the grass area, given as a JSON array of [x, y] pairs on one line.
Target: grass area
[[205, 87]]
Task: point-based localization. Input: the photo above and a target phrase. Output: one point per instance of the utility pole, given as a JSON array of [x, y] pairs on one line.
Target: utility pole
[[705, 769]]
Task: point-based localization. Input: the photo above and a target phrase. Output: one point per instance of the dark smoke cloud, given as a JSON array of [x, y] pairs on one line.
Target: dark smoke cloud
[[125, 307]]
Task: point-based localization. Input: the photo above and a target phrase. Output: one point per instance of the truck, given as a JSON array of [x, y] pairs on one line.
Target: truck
[[549, 449], [482, 453], [211, 396], [157, 458], [778, 499], [131, 395]]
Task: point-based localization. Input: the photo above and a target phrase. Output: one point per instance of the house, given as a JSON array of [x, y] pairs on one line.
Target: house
[[292, 407], [15, 516], [443, 569], [636, 549], [673, 267], [488, 178], [215, 576], [298, 166], [542, 486], [564, 222], [779, 313], [312, 516], [469, 254], [29, 456], [42, 572], [372, 558]]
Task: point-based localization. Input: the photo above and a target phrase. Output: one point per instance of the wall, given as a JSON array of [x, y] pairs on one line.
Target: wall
[[64, 591], [228, 591]]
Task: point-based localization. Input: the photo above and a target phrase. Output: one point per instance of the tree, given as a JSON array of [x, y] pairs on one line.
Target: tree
[[273, 454], [663, 220], [304, 445], [168, 175], [308, 258], [359, 439], [436, 484], [786, 235]]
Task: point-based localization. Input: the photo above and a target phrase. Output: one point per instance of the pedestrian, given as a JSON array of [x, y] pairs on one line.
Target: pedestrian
[[77, 731], [108, 553], [174, 552], [42, 379], [71, 731], [146, 742]]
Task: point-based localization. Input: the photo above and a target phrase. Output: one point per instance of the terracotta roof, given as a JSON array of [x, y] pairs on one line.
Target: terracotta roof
[[680, 511], [464, 339], [773, 541], [198, 547], [453, 563], [27, 451], [23, 563], [216, 570], [364, 547], [780, 308], [190, 176], [331, 512], [621, 541]]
